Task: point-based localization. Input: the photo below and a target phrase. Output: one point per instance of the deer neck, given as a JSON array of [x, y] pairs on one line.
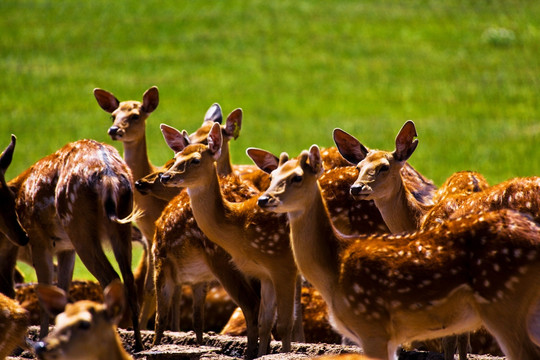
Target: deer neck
[[136, 157], [116, 351], [224, 165], [401, 211], [315, 243], [213, 213]]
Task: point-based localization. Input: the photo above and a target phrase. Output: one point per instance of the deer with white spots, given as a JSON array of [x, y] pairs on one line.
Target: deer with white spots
[[12, 235], [257, 243], [381, 179], [68, 202], [85, 329], [387, 290], [184, 255]]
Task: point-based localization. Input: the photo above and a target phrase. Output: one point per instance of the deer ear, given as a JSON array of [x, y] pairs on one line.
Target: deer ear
[[150, 100], [214, 114], [54, 299], [315, 160], [7, 155], [349, 147], [406, 142], [265, 160], [106, 100], [174, 138], [234, 124], [115, 301], [215, 140]]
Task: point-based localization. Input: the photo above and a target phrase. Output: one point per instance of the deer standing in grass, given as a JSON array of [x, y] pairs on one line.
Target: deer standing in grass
[[12, 235], [386, 290], [85, 329], [257, 243], [68, 202], [14, 321]]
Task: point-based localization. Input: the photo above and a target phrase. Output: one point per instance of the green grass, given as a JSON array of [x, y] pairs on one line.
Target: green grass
[[467, 73]]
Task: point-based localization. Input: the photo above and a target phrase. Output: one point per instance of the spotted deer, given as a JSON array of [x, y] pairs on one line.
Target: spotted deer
[[84, 329], [12, 234], [257, 243], [129, 127], [14, 321], [68, 202], [385, 290], [381, 180]]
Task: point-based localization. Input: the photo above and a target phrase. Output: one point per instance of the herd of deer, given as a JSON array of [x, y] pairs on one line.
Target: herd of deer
[[394, 258]]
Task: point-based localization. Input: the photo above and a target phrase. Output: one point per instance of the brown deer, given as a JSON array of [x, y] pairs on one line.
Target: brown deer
[[258, 244], [12, 235], [68, 202], [184, 255], [85, 329], [381, 180], [390, 289], [14, 321]]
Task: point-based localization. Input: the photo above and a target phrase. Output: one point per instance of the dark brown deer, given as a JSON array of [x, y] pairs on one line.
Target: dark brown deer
[[68, 202], [387, 290]]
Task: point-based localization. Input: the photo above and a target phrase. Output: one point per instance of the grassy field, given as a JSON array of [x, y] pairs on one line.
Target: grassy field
[[467, 73]]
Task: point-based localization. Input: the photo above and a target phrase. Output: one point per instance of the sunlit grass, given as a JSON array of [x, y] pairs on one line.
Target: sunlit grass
[[465, 71]]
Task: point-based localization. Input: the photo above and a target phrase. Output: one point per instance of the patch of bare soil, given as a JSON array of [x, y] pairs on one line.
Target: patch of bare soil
[[182, 345]]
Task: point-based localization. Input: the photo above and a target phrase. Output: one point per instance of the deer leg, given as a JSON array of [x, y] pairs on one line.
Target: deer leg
[[463, 345], [148, 301], [267, 314], [449, 347], [285, 298], [506, 320], [66, 263], [43, 264], [121, 245], [242, 293], [199, 296], [298, 327], [175, 311], [8, 261], [165, 287]]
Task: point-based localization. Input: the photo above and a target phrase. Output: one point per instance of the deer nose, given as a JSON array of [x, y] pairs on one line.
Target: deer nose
[[165, 178], [263, 200], [140, 186], [360, 189], [113, 130]]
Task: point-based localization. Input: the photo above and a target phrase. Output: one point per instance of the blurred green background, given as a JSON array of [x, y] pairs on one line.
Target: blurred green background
[[466, 72]]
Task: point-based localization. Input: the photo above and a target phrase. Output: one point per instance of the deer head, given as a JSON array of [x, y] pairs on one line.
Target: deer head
[[9, 220], [379, 171], [85, 329], [190, 156], [288, 177], [129, 117]]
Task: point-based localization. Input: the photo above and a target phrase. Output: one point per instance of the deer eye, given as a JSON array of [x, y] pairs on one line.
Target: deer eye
[[134, 117], [195, 161], [384, 168], [84, 325], [296, 179]]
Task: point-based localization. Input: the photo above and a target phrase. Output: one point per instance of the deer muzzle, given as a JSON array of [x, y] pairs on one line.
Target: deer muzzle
[[360, 190]]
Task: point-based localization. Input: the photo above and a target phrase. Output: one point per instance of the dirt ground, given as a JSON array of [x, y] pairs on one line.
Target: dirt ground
[[182, 345]]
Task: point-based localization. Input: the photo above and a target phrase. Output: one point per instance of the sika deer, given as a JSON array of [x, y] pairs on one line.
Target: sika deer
[[386, 290], [85, 329], [14, 322], [381, 180], [69, 202], [182, 253], [258, 244]]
